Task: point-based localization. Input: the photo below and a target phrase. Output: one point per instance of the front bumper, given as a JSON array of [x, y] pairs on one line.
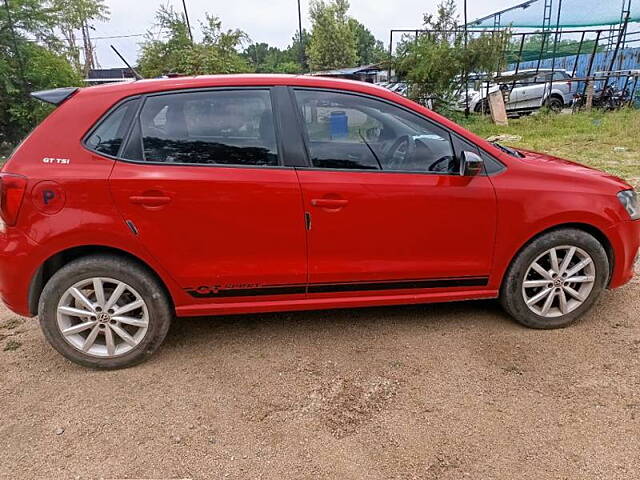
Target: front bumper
[[625, 240]]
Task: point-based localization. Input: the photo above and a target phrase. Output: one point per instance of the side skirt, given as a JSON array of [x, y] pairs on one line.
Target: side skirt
[[227, 308]]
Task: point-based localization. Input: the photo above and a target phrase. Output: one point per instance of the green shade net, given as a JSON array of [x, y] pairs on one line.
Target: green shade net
[[573, 13]]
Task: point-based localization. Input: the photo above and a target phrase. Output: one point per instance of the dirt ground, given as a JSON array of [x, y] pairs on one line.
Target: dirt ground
[[431, 392]]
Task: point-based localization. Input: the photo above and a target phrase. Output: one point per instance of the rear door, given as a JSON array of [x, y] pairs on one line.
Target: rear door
[[204, 187], [532, 91], [388, 207]]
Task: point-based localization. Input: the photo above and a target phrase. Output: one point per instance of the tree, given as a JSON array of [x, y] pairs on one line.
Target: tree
[[74, 15], [174, 52], [332, 43], [27, 66], [297, 50], [267, 59], [434, 62], [368, 49]]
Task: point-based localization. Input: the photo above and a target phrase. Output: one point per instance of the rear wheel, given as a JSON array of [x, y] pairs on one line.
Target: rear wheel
[[104, 312], [555, 104], [555, 279], [482, 107]]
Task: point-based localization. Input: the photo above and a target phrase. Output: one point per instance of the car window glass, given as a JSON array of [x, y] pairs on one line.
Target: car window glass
[[215, 127], [108, 136], [347, 131]]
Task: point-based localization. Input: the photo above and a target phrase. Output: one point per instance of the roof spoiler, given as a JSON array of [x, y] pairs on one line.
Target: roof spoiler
[[55, 96]]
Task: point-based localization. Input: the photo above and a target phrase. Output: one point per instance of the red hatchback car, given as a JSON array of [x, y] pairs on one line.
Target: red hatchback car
[[134, 203]]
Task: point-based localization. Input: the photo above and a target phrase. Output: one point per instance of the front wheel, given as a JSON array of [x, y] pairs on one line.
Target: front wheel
[[555, 279], [104, 312]]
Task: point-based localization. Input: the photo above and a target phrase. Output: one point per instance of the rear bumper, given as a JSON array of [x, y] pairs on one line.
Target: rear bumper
[[16, 270], [625, 240]]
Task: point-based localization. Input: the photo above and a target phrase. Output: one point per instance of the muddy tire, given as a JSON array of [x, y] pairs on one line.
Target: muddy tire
[[555, 279], [104, 312]]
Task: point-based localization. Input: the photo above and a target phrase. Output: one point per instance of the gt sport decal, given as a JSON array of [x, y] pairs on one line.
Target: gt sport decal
[[218, 291]]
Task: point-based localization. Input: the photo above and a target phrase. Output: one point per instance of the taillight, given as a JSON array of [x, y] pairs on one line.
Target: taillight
[[12, 189]]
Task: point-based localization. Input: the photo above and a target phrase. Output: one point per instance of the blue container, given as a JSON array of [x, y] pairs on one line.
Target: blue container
[[338, 125]]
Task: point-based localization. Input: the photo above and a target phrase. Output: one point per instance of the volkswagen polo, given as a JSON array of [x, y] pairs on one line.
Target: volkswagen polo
[[135, 203]]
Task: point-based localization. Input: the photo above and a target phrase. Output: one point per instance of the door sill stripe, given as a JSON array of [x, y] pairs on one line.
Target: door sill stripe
[[221, 292]]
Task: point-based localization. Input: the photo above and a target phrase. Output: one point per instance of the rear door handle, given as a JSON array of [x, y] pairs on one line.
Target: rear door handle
[[329, 202], [150, 200]]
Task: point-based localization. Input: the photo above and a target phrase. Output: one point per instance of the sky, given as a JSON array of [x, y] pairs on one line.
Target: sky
[[270, 21]]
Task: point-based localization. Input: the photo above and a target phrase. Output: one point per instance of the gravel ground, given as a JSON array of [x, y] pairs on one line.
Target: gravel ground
[[432, 392]]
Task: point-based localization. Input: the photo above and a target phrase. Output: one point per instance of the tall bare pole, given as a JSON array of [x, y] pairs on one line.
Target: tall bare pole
[[300, 34], [466, 73], [186, 17]]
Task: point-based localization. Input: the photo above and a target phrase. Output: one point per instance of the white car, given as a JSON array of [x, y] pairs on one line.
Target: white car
[[528, 91]]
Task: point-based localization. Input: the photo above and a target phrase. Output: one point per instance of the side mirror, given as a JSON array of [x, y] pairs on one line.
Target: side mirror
[[471, 164]]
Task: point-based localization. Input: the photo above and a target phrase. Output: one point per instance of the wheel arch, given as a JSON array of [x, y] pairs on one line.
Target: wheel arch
[[554, 94], [594, 231], [50, 266]]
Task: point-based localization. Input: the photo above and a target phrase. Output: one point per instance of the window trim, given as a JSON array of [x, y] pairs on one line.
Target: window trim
[[450, 132]]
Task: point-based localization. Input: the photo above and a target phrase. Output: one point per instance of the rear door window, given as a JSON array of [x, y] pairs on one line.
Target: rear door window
[[209, 128]]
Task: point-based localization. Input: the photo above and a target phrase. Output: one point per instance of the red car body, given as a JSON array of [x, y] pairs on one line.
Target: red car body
[[237, 240]]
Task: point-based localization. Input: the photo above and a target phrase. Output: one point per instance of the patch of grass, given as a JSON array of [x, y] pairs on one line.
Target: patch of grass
[[12, 345], [607, 141], [11, 324]]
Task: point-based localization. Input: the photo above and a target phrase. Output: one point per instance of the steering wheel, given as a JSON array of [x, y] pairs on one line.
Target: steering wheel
[[401, 152], [432, 167]]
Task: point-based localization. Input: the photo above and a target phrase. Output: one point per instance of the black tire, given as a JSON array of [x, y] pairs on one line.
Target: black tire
[[555, 104], [138, 277], [482, 107], [511, 296]]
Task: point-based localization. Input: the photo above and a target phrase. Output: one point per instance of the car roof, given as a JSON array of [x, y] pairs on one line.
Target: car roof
[[238, 80]]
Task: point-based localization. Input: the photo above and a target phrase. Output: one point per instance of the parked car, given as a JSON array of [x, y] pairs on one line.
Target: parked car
[[135, 203], [529, 90]]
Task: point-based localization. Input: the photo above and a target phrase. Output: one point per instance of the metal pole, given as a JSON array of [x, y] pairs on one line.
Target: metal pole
[[575, 64], [390, 55], [466, 69], [300, 33], [186, 17], [555, 50], [615, 52], [593, 54]]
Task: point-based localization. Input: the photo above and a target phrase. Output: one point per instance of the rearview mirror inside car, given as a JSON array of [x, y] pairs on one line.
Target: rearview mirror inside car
[[471, 164]]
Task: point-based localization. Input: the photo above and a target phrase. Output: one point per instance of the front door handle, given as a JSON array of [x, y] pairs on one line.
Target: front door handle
[[150, 200], [329, 202]]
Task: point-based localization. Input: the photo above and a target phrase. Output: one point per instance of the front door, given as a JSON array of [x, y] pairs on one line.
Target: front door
[[388, 207], [209, 198]]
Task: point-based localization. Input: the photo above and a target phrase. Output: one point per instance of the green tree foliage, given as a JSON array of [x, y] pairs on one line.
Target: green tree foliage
[[28, 65], [264, 58], [176, 53], [434, 62], [368, 49], [332, 43]]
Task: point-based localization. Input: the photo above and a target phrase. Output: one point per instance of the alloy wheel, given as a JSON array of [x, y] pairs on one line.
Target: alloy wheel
[[102, 317], [559, 281]]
